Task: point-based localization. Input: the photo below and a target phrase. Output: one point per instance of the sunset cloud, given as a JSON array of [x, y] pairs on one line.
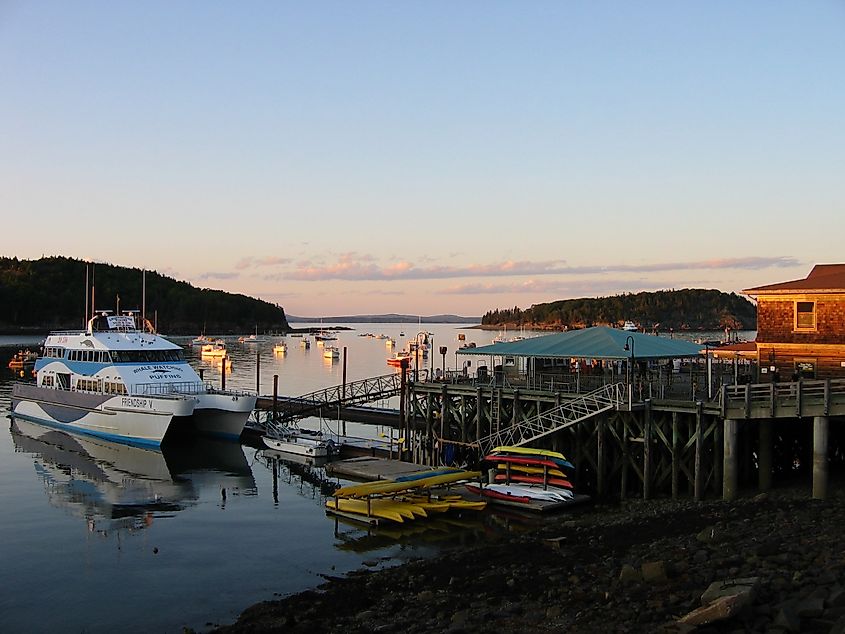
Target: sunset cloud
[[349, 267], [217, 275]]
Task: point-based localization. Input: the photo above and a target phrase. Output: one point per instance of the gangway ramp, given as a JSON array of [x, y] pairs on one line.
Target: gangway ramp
[[565, 415], [289, 409]]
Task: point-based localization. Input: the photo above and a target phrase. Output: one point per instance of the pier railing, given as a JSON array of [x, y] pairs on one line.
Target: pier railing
[[354, 393], [570, 413], [792, 399]]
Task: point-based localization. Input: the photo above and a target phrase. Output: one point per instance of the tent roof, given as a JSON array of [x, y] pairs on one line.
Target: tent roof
[[592, 343]]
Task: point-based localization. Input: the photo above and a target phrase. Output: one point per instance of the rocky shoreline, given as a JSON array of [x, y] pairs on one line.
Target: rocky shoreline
[[770, 563]]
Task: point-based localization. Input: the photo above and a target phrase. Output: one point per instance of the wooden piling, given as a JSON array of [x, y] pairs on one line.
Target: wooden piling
[[821, 428], [647, 451], [729, 483], [257, 371], [764, 460], [275, 397], [676, 457], [699, 475]]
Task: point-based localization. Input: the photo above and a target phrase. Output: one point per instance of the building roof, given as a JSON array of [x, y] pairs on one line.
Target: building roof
[[600, 342], [824, 278]]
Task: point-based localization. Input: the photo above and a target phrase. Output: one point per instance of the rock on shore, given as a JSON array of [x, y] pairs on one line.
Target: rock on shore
[[771, 563]]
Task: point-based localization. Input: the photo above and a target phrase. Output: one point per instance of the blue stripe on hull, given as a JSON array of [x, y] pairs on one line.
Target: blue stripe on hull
[[126, 440]]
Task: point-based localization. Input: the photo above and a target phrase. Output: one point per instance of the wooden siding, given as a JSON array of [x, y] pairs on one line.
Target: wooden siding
[[776, 320]]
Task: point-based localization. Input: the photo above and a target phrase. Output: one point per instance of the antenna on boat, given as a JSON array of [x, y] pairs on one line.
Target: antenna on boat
[[143, 296], [87, 287]]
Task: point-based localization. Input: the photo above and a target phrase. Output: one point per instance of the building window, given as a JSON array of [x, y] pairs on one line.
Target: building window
[[805, 315]]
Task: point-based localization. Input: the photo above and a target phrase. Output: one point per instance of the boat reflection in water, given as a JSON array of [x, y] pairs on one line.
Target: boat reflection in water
[[116, 487]]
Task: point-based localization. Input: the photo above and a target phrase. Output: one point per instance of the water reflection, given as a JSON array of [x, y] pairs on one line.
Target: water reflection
[[116, 487]]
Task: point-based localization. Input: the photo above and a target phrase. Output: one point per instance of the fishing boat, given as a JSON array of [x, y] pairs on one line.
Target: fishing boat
[[396, 360], [125, 383], [280, 348], [305, 343], [331, 352], [216, 349], [202, 340], [22, 360]]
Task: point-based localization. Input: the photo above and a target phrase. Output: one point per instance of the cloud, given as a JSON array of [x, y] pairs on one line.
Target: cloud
[[351, 267], [251, 262], [218, 276], [537, 287]]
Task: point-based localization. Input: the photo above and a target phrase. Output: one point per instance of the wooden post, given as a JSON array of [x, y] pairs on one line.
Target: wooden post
[[647, 451], [429, 430], [676, 458], [624, 474], [223, 374], [729, 483], [257, 372], [600, 455], [699, 476], [820, 436], [444, 411], [718, 458], [343, 392], [403, 388], [478, 413], [515, 411], [275, 397], [764, 464]]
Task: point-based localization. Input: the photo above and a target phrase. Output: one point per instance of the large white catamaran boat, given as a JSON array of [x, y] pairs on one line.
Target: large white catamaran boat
[[124, 383]]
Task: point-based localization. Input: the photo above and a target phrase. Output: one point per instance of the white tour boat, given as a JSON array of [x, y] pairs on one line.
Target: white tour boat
[[126, 384]]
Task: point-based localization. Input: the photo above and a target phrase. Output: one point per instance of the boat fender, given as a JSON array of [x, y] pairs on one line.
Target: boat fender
[[234, 398]]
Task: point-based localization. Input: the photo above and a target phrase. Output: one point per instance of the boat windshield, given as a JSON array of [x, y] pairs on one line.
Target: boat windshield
[[146, 356]]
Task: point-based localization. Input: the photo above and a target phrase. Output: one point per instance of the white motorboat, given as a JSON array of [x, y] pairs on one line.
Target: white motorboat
[[629, 326], [215, 349], [293, 441], [125, 384]]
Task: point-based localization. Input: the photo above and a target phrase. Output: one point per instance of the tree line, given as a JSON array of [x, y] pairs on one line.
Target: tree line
[[49, 293], [686, 309]]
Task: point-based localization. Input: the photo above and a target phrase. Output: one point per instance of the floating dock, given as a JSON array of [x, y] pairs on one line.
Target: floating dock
[[369, 468]]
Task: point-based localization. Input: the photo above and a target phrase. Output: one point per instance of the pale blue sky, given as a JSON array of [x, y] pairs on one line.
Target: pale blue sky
[[427, 157]]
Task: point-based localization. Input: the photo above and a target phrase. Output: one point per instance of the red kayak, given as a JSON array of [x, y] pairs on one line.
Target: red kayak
[[533, 479], [522, 499], [526, 460]]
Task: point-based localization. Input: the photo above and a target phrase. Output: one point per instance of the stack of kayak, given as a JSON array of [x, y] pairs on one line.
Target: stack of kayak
[[521, 475], [404, 498]]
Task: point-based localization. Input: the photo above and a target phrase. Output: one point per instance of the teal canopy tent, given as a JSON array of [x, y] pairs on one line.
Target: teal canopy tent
[[592, 343]]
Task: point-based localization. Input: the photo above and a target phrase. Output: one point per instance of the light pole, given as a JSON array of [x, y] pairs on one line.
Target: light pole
[[417, 352], [630, 340]]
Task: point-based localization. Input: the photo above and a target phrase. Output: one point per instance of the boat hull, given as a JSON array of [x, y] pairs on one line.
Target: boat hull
[[221, 414], [128, 419], [298, 446]]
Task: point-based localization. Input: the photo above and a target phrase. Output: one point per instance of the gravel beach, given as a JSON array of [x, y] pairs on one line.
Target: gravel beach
[[773, 562]]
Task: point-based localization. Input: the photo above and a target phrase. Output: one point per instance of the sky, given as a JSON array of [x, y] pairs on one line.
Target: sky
[[426, 157]]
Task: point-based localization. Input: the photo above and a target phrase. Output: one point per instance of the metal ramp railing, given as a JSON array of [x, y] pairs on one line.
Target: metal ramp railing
[[354, 393], [566, 415]]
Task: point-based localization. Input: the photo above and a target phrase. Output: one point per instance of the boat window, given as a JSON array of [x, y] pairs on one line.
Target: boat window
[[146, 356]]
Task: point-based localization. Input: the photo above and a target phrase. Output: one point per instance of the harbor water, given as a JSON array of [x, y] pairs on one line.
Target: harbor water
[[101, 537]]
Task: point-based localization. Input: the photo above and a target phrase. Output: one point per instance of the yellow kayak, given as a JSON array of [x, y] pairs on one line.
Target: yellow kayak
[[527, 469], [383, 509], [386, 487], [528, 451], [444, 504]]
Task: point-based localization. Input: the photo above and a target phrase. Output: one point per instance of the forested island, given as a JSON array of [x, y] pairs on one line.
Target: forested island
[[49, 294], [686, 309]]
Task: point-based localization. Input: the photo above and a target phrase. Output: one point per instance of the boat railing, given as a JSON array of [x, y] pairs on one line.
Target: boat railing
[[168, 389]]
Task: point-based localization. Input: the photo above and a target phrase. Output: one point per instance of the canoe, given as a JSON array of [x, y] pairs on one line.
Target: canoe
[[498, 495], [529, 451], [455, 502], [386, 487], [533, 479], [384, 509], [504, 466], [539, 461], [427, 474], [532, 491]]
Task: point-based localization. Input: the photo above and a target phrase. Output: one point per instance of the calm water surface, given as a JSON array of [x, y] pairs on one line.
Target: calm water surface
[[98, 537]]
